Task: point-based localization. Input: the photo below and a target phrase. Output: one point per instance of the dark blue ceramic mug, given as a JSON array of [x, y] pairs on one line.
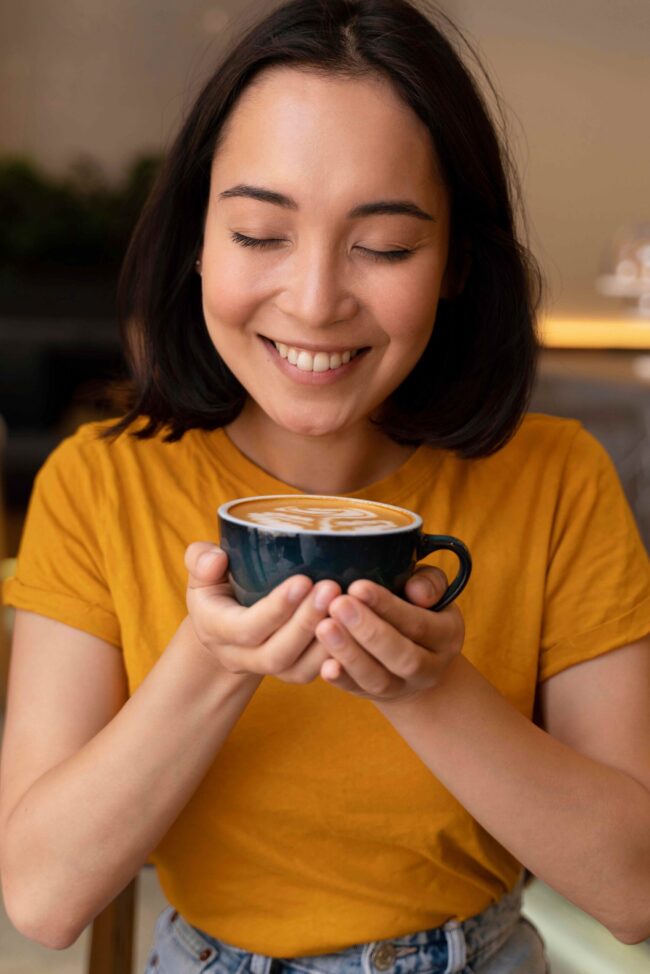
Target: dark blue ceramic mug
[[270, 537]]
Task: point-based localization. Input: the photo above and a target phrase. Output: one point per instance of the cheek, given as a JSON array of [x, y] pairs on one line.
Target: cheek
[[407, 311], [228, 297], [230, 288]]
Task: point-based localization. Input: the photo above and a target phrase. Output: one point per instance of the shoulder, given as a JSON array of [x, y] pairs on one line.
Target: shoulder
[[548, 457], [559, 444], [86, 460], [544, 432], [94, 432], [90, 442]]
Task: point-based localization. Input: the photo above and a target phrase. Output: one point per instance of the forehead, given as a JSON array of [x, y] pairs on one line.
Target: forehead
[[327, 131]]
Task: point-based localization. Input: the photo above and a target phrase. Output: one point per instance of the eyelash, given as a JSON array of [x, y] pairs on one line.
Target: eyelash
[[388, 255]]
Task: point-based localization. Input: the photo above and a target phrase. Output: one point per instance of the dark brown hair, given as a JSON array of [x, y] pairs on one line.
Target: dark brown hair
[[470, 388]]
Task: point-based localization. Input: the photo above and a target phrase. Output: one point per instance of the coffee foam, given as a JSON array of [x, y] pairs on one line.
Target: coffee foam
[[321, 514]]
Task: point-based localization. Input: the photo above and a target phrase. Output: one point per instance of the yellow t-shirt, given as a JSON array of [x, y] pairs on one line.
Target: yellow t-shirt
[[316, 826]]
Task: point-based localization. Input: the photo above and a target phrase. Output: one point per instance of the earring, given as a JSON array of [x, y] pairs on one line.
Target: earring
[[197, 264]]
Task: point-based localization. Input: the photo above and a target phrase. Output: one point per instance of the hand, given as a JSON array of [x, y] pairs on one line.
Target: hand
[[273, 636], [394, 650]]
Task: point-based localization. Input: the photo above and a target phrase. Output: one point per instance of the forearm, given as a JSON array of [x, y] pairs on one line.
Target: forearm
[[85, 828], [582, 827]]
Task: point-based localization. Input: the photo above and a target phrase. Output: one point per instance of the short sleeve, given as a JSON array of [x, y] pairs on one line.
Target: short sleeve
[[60, 566], [597, 593]]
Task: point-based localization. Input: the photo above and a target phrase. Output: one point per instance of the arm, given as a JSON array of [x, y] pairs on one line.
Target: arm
[[92, 780], [570, 801], [80, 761]]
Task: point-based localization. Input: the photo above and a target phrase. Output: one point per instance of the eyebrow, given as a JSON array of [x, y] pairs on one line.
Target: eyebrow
[[373, 208]]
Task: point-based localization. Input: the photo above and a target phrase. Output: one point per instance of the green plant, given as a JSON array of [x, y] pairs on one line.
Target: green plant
[[76, 220]]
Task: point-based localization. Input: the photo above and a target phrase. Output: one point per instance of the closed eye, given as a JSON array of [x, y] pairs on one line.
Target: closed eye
[[373, 254]]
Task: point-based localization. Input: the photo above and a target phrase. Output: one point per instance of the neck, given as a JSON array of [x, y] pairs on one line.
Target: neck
[[333, 463]]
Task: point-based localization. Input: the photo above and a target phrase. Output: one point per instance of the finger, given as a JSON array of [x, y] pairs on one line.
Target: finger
[[206, 564], [426, 586], [208, 586], [334, 673], [433, 630], [288, 642], [331, 669], [291, 630], [362, 668], [211, 596], [308, 665], [386, 647]]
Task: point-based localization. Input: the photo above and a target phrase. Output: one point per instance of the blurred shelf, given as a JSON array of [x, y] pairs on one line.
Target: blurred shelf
[[612, 332], [612, 367]]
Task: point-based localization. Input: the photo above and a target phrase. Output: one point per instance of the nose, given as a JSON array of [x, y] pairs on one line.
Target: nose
[[316, 290]]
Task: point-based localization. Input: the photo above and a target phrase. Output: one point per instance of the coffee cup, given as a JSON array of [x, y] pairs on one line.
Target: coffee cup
[[269, 537]]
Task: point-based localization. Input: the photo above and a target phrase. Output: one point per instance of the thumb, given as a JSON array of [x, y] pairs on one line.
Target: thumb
[[206, 563], [427, 585]]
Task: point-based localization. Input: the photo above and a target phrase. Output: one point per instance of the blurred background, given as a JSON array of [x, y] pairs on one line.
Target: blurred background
[[94, 91]]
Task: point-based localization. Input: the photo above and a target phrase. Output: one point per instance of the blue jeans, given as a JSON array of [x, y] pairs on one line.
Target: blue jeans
[[497, 941]]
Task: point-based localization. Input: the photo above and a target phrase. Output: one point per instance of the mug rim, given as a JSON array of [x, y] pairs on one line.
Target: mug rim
[[223, 512]]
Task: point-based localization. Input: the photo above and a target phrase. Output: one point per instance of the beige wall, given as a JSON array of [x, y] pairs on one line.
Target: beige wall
[[100, 77], [576, 76], [109, 77]]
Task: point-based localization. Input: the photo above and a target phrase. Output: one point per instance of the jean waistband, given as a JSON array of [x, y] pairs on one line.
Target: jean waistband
[[446, 949]]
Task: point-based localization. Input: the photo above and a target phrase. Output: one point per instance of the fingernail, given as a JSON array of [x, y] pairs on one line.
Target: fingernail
[[348, 613], [424, 588], [206, 559], [323, 596], [332, 637], [364, 594], [298, 590]]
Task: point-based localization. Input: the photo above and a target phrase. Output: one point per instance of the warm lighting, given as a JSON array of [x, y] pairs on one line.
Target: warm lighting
[[595, 332]]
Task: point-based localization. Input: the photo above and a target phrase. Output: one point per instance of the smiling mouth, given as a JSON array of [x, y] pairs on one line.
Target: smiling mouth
[[314, 361]]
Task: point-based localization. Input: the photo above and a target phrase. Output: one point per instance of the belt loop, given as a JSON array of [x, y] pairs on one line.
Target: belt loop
[[366, 953], [259, 964], [456, 946]]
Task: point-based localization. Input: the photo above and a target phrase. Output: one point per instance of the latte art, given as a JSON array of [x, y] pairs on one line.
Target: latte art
[[314, 514], [322, 519]]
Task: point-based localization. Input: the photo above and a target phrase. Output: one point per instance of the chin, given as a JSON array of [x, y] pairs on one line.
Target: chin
[[301, 426]]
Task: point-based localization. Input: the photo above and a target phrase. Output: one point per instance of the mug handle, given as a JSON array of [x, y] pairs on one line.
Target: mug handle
[[426, 543]]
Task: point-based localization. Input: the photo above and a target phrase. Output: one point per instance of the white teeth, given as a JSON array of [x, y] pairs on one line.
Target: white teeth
[[305, 361], [320, 362]]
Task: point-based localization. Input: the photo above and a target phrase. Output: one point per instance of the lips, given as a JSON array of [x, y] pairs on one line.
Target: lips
[[314, 360], [309, 369]]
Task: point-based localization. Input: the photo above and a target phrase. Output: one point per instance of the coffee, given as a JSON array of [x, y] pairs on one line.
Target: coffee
[[272, 536], [322, 514]]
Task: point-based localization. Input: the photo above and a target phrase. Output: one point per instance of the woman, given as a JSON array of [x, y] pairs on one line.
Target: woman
[[327, 780]]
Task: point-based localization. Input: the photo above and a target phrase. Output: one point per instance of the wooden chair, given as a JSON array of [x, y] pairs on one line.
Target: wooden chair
[[113, 935]]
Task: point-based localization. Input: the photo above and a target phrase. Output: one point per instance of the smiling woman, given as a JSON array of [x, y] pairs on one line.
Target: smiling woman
[[330, 781], [336, 203], [320, 282]]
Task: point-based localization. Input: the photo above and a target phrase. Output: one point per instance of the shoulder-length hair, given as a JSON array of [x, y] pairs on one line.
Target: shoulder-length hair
[[470, 388]]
